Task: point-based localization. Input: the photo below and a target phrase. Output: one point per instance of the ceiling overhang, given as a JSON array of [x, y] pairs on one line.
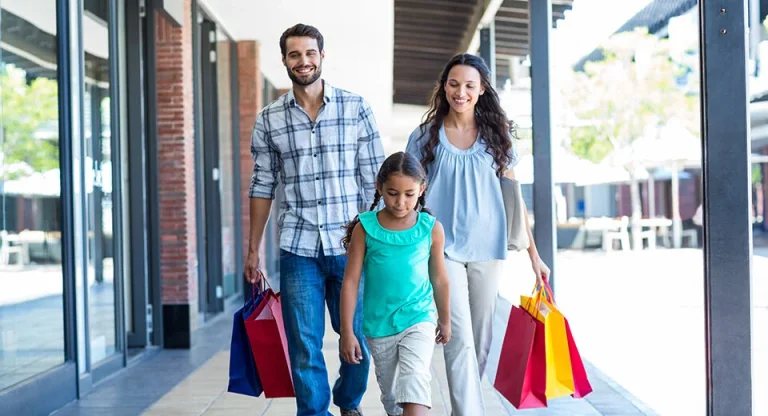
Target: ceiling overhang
[[429, 32]]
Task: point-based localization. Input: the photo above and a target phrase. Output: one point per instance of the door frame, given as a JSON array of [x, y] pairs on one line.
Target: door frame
[[146, 313], [210, 169]]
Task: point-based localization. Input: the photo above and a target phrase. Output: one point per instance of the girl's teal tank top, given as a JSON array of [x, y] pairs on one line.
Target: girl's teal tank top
[[397, 290]]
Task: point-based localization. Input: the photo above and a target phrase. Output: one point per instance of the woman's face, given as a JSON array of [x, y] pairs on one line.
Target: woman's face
[[463, 88]]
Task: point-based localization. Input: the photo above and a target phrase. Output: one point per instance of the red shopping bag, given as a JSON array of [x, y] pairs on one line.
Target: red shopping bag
[[266, 334], [521, 376], [581, 384]]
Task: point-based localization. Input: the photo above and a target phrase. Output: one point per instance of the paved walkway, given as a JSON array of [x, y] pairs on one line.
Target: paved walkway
[[637, 316], [194, 383]]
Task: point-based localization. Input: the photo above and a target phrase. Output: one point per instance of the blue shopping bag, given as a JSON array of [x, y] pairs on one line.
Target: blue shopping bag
[[243, 376]]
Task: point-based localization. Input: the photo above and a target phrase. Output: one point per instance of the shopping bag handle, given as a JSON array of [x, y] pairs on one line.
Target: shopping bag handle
[[539, 291], [550, 294], [262, 284], [535, 294]]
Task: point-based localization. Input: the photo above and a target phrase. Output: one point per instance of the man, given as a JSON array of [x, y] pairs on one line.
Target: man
[[324, 143]]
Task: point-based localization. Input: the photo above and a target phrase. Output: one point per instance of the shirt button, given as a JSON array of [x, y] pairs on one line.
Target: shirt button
[[317, 178], [315, 155], [319, 202], [321, 227]]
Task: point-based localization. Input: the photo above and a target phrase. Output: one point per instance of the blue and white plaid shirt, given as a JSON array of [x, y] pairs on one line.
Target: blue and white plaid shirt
[[328, 168]]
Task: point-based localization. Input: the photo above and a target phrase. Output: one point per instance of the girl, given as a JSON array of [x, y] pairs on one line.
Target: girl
[[400, 250], [465, 146]]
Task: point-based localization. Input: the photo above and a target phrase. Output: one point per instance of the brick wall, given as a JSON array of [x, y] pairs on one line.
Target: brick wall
[[175, 124], [250, 92]]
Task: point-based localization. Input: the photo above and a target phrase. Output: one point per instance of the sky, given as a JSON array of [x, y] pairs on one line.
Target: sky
[[587, 24]]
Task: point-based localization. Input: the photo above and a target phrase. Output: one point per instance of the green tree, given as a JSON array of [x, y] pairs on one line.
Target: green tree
[[615, 101], [26, 107]]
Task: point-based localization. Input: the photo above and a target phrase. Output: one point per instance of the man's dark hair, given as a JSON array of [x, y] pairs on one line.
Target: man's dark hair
[[301, 30]]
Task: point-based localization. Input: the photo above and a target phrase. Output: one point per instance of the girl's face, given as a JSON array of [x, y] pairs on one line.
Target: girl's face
[[401, 194], [463, 88]]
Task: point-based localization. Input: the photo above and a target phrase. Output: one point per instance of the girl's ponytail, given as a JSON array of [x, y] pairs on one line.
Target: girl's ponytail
[[422, 204], [351, 226]]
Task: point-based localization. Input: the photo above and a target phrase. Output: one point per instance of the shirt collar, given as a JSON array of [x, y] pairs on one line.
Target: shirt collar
[[328, 93]]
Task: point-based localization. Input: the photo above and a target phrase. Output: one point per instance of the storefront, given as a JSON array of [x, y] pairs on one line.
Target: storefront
[[87, 278]]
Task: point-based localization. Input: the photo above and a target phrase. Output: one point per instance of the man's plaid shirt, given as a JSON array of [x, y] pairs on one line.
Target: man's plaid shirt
[[328, 168]]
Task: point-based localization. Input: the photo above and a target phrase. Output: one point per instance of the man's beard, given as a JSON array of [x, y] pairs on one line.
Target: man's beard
[[298, 81]]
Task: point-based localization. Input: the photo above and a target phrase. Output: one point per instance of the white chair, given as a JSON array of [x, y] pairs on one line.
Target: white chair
[[8, 247], [618, 232]]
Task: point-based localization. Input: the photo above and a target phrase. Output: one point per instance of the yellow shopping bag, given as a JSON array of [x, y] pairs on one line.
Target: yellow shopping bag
[[559, 370]]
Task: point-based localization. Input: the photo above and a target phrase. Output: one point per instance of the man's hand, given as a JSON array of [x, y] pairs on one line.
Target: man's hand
[[252, 273]]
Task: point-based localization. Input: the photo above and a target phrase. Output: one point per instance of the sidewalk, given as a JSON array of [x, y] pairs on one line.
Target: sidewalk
[[194, 382]]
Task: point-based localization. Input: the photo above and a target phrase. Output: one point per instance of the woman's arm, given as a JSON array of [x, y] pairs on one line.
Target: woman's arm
[[438, 276], [541, 269], [350, 347]]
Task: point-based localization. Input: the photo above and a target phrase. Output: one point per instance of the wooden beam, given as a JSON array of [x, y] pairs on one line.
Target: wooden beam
[[425, 42], [440, 4], [512, 45], [509, 19], [421, 21], [424, 50], [516, 52], [429, 13], [515, 25], [420, 27], [470, 27], [511, 37], [504, 29]]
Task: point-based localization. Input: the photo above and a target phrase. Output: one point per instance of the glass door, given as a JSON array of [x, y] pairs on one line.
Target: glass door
[[32, 311], [102, 283], [212, 285]]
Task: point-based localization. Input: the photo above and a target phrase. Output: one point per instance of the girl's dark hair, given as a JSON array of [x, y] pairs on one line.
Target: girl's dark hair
[[490, 117], [400, 163]]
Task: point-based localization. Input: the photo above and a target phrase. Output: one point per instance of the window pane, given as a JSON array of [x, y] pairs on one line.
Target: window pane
[[227, 191], [98, 182], [31, 279]]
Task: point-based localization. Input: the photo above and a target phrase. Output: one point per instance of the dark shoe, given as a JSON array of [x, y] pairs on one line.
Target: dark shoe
[[355, 412]]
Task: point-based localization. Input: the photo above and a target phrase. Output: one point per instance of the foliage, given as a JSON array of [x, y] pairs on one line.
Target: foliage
[[634, 88], [26, 108]]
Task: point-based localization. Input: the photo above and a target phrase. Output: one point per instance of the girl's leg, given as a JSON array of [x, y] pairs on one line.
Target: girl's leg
[[414, 381], [483, 280], [413, 409], [460, 358], [385, 358]]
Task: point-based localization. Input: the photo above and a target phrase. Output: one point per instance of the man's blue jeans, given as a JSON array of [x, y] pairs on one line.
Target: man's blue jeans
[[305, 284]]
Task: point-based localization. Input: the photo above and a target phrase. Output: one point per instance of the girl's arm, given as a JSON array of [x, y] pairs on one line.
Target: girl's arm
[[438, 275], [539, 268], [350, 347]]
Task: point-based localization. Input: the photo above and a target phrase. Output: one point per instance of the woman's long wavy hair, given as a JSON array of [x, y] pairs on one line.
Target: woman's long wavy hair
[[492, 122], [398, 163]]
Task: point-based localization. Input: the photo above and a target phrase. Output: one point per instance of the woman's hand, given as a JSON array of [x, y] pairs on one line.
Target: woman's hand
[[350, 349], [443, 333], [540, 269]]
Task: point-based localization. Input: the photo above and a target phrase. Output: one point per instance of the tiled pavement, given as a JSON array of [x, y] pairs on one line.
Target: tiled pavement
[[637, 316], [194, 383], [32, 331]]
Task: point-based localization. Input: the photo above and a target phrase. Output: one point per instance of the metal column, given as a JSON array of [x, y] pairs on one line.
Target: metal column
[[540, 13], [488, 49], [727, 230]]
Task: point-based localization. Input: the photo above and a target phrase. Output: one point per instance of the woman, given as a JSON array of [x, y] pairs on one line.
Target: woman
[[465, 145]]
